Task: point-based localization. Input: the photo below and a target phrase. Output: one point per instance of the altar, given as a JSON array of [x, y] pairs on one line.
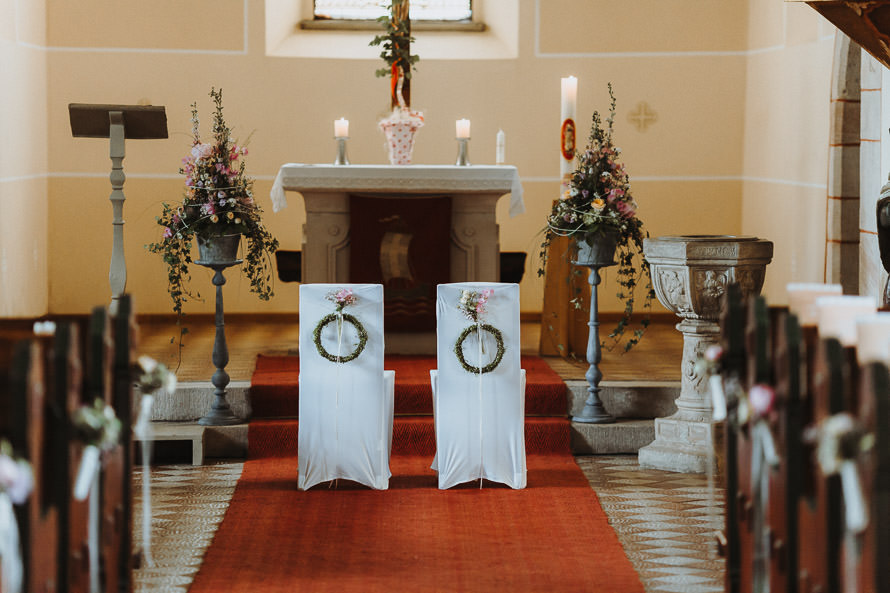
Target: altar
[[470, 245]]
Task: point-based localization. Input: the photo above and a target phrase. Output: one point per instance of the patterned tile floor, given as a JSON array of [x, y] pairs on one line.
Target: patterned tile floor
[[665, 522]]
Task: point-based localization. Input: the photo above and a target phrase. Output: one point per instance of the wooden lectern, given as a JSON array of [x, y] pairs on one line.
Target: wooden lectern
[[117, 123]]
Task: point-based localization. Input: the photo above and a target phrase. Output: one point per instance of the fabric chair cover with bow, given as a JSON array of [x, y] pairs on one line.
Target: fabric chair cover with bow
[[479, 388], [346, 407]]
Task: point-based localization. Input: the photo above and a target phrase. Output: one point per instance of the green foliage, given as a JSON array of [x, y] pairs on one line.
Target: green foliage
[[396, 40]]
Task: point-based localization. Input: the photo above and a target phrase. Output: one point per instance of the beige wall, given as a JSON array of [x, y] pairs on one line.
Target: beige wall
[[23, 160], [733, 142], [787, 95]]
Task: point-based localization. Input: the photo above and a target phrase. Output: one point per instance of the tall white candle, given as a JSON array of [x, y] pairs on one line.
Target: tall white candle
[[341, 128], [499, 148], [569, 96], [568, 106], [462, 128]]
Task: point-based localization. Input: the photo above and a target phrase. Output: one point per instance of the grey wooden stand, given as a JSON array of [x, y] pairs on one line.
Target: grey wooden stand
[[220, 413], [117, 122]]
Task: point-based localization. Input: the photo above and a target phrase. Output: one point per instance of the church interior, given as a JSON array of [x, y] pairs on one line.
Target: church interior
[[755, 139]]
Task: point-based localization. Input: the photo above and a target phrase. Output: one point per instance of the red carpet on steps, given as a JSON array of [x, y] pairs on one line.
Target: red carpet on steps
[[274, 392], [553, 536]]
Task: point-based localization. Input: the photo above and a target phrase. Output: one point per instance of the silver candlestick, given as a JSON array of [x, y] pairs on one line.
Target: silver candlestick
[[341, 151], [462, 160]]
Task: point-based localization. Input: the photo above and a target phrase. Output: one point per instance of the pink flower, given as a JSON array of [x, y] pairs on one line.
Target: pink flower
[[202, 151], [167, 232], [762, 397], [625, 209]]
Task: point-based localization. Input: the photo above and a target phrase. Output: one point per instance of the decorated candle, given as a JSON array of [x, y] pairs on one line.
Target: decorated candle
[[837, 316], [462, 128], [568, 106], [802, 299], [341, 128], [499, 148], [873, 338]]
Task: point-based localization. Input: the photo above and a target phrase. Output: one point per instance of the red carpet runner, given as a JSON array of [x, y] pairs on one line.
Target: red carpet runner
[[551, 537]]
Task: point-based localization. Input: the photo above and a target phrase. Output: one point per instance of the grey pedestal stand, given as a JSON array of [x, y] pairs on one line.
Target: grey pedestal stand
[[220, 413], [594, 412]]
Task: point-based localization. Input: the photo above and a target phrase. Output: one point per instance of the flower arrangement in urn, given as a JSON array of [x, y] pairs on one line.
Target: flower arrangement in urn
[[218, 203], [597, 209]]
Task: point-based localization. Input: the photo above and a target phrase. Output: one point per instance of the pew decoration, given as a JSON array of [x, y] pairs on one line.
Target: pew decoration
[[472, 305], [151, 377], [16, 483], [99, 429], [710, 365], [342, 298], [840, 440]]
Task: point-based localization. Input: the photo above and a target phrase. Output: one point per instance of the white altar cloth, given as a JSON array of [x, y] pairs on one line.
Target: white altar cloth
[[442, 179], [346, 408], [479, 418]]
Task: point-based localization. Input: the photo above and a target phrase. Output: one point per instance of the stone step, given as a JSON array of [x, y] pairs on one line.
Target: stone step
[[623, 436], [628, 399], [622, 399], [192, 400]]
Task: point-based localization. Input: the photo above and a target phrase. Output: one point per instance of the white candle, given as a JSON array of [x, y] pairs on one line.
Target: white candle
[[802, 299], [499, 148], [462, 128], [837, 316], [569, 97], [873, 338], [341, 128]]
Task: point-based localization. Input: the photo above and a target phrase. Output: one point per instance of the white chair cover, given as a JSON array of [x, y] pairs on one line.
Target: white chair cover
[[346, 408], [479, 417]]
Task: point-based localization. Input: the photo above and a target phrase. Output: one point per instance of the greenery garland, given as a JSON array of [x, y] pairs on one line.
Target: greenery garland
[[459, 351], [359, 328]]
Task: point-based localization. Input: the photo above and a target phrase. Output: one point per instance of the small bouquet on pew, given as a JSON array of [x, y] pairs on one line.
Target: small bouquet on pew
[[16, 477], [16, 484], [99, 428]]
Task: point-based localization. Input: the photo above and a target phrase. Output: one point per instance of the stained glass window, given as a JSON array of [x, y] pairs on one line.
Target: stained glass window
[[421, 10]]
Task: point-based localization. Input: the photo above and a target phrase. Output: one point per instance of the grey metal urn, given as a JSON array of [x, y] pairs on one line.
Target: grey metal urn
[[690, 274]]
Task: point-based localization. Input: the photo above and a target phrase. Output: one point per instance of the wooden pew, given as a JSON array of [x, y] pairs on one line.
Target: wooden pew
[[870, 550], [27, 422], [732, 323], [787, 428], [109, 347], [752, 490], [66, 396], [819, 507]]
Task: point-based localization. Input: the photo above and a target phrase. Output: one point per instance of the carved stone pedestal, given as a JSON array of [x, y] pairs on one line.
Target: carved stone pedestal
[[690, 275]]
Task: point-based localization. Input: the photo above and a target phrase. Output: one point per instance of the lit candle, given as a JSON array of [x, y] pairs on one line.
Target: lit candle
[[802, 299], [499, 148], [837, 316], [341, 128], [569, 97], [462, 128]]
